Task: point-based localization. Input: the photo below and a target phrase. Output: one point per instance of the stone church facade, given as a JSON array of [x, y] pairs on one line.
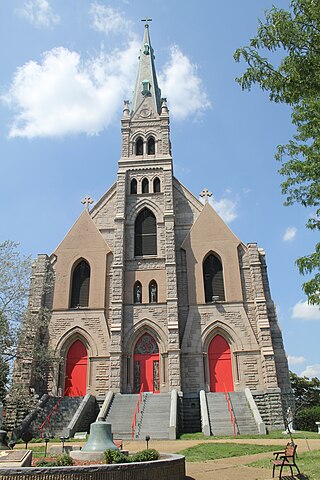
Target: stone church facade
[[152, 291]]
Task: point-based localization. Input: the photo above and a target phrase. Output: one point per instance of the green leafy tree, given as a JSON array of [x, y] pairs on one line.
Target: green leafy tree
[[14, 284], [284, 60], [306, 391]]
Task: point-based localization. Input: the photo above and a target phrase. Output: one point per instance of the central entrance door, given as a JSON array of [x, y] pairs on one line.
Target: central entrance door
[[220, 366], [76, 370], [146, 365]]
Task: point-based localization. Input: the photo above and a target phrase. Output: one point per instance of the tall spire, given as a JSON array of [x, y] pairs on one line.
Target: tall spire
[[147, 84]]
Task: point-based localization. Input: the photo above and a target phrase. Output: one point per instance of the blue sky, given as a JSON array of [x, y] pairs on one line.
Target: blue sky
[[67, 66]]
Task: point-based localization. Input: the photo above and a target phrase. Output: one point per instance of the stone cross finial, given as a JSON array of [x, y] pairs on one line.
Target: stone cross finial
[[87, 201], [205, 194], [146, 20]]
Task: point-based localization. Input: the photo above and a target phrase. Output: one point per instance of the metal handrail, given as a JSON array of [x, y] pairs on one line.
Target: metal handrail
[[232, 417], [55, 408], [136, 410]]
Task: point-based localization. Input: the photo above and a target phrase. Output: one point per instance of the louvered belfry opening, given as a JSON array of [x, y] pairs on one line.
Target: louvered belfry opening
[[213, 279], [80, 285], [145, 234]]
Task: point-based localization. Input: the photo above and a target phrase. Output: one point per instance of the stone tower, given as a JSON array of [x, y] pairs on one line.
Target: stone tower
[[153, 291]]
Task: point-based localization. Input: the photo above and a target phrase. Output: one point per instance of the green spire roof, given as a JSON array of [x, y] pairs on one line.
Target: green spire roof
[[146, 84]]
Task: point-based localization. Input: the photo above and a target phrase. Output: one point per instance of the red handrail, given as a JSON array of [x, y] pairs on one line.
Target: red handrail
[[233, 421], [136, 410], [55, 408]]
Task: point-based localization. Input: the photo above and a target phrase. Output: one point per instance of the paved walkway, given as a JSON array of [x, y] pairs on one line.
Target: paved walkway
[[233, 468]]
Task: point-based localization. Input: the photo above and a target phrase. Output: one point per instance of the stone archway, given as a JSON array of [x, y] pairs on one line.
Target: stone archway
[[76, 370], [220, 365], [146, 365]]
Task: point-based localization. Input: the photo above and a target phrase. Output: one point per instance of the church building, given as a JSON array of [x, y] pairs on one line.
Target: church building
[[152, 291]]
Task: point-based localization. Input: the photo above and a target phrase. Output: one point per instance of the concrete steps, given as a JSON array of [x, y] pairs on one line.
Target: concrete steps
[[155, 416], [59, 419], [219, 416], [120, 414], [243, 415]]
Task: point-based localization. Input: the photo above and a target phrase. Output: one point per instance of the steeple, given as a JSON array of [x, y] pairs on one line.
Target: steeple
[[147, 84]]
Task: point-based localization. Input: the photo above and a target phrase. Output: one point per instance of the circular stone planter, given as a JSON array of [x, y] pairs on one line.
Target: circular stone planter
[[170, 467]]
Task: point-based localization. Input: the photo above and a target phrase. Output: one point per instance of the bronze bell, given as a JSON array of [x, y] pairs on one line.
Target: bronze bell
[[100, 438]]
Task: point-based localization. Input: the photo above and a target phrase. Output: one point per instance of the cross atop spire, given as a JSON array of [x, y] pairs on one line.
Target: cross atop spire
[[146, 20], [87, 201]]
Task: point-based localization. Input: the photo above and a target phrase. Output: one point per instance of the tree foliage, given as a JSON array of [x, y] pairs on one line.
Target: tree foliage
[[14, 285], [294, 79], [306, 391]]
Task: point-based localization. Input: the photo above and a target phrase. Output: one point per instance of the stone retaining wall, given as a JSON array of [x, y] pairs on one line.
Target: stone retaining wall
[[172, 467]]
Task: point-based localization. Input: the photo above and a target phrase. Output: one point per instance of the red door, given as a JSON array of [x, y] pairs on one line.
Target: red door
[[76, 370], [220, 365], [146, 365]]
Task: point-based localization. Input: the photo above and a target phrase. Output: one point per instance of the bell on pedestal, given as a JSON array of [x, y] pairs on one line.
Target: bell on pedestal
[[100, 438]]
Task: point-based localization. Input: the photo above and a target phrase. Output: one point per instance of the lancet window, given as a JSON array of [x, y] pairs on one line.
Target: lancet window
[[145, 234], [80, 285], [213, 279]]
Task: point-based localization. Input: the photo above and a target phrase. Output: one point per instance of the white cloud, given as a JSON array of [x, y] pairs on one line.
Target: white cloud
[[183, 87], [304, 311], [107, 20], [289, 234], [295, 360], [63, 95], [311, 371], [226, 208], [39, 13]]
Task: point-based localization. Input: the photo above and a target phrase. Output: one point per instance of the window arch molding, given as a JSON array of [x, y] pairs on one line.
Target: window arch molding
[[140, 205], [80, 284], [145, 326], [213, 277]]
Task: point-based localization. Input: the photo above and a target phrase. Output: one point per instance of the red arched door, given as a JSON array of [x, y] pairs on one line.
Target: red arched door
[[76, 370], [146, 365], [220, 365]]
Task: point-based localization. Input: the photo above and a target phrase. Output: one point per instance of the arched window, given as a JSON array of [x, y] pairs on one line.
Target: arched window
[[139, 146], [133, 186], [137, 293], [151, 146], [156, 185], [153, 292], [145, 234], [80, 285], [145, 185], [213, 279]]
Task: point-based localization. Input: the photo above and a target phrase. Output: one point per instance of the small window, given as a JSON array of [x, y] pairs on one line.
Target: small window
[[213, 279], [156, 185], [80, 285], [151, 146], [137, 293], [145, 185], [145, 87], [153, 292], [139, 146], [133, 186]]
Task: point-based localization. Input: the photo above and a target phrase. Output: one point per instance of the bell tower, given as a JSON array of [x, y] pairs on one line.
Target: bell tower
[[145, 251]]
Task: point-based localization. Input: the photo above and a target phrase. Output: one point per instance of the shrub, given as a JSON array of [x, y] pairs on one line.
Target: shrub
[[62, 460], [306, 419], [145, 456], [114, 456]]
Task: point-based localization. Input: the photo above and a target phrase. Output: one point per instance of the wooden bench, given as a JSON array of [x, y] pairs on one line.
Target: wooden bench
[[285, 458]]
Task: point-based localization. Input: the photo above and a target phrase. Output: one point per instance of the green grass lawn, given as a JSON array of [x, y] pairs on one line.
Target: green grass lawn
[[272, 435], [308, 463], [214, 451]]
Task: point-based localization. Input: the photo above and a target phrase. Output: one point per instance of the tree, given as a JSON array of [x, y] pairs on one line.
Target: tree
[[14, 286], [293, 80], [306, 391]]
